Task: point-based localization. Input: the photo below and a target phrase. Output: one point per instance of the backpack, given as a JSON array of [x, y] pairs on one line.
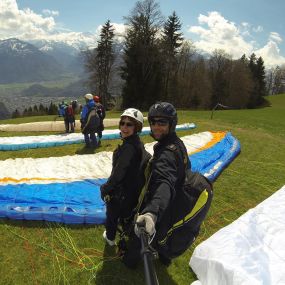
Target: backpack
[[187, 211], [69, 111], [61, 110], [101, 111], [92, 122]]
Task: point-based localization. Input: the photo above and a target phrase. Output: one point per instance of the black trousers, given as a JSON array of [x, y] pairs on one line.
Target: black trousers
[[112, 217], [117, 210]]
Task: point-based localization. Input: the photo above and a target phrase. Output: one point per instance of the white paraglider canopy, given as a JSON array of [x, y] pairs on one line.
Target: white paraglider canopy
[[249, 251]]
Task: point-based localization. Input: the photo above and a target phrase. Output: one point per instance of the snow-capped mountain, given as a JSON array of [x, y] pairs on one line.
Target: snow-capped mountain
[[23, 62], [41, 60], [69, 56]]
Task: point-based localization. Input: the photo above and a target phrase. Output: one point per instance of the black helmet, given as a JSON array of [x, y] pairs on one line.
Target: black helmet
[[165, 110]]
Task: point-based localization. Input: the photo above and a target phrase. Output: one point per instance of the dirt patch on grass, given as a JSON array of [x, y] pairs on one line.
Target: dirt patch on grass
[[51, 126]]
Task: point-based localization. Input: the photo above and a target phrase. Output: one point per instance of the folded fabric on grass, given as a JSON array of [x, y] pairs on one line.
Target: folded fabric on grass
[[67, 189], [17, 143], [249, 251]]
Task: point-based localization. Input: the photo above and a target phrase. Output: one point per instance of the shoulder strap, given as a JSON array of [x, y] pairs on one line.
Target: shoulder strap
[[90, 113], [175, 150]]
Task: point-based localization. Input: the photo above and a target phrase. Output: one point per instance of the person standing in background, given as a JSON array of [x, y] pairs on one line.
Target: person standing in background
[[90, 121], [102, 114], [70, 118]]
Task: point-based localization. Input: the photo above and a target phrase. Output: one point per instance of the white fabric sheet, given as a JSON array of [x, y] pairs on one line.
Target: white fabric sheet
[[249, 251]]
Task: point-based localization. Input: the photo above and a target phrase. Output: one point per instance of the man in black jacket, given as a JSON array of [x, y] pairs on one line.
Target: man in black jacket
[[167, 176]]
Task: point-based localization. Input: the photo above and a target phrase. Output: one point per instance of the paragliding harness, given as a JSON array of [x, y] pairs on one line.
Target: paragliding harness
[[92, 122], [187, 211]]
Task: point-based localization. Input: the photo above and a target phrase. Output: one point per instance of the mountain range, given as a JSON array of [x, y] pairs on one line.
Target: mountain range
[[47, 71], [38, 61]]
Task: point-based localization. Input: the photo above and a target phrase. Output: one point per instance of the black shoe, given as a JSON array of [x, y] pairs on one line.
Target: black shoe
[[129, 262], [164, 260]]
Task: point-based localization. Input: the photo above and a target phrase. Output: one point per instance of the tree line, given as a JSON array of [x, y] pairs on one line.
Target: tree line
[[36, 110], [158, 64]]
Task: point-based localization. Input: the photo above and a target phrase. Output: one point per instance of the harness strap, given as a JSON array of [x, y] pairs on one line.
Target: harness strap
[[200, 204], [92, 112], [147, 174]]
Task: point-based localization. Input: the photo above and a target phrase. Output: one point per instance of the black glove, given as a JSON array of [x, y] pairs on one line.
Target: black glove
[[105, 193]]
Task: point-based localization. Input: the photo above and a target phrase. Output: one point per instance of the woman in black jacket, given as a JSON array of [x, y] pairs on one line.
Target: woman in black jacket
[[121, 190]]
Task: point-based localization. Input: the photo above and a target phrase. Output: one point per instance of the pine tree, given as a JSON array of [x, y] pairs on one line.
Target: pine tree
[[35, 110], [257, 69], [172, 39], [25, 112], [41, 109], [260, 74], [52, 109], [104, 61], [99, 62], [142, 64], [30, 111]]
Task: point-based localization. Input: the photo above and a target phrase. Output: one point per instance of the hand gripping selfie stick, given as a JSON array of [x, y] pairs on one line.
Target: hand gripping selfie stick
[[147, 254]]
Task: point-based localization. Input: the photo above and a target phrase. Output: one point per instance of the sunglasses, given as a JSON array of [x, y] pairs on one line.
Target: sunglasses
[[159, 122], [128, 124]]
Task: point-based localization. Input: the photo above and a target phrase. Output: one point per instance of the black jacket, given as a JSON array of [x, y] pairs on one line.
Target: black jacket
[[167, 176], [123, 181]]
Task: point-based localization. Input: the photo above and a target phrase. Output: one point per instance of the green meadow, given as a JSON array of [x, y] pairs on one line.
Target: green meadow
[[33, 252]]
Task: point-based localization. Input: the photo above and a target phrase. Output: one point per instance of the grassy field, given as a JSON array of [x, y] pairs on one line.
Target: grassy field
[[48, 253]]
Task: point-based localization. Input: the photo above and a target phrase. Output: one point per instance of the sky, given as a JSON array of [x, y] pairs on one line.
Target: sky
[[236, 26]]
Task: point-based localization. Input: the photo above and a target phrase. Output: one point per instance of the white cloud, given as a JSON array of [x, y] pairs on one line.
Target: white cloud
[[27, 25], [275, 37], [220, 33], [271, 54], [258, 29], [50, 12], [216, 32], [17, 23]]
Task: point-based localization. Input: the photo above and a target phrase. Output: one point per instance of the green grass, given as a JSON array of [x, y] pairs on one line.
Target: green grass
[[47, 253]]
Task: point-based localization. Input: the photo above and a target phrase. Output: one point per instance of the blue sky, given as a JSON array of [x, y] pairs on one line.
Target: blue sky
[[237, 26]]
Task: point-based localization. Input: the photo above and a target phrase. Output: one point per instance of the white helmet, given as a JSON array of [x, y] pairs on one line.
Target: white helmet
[[88, 96], [133, 113], [136, 115]]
